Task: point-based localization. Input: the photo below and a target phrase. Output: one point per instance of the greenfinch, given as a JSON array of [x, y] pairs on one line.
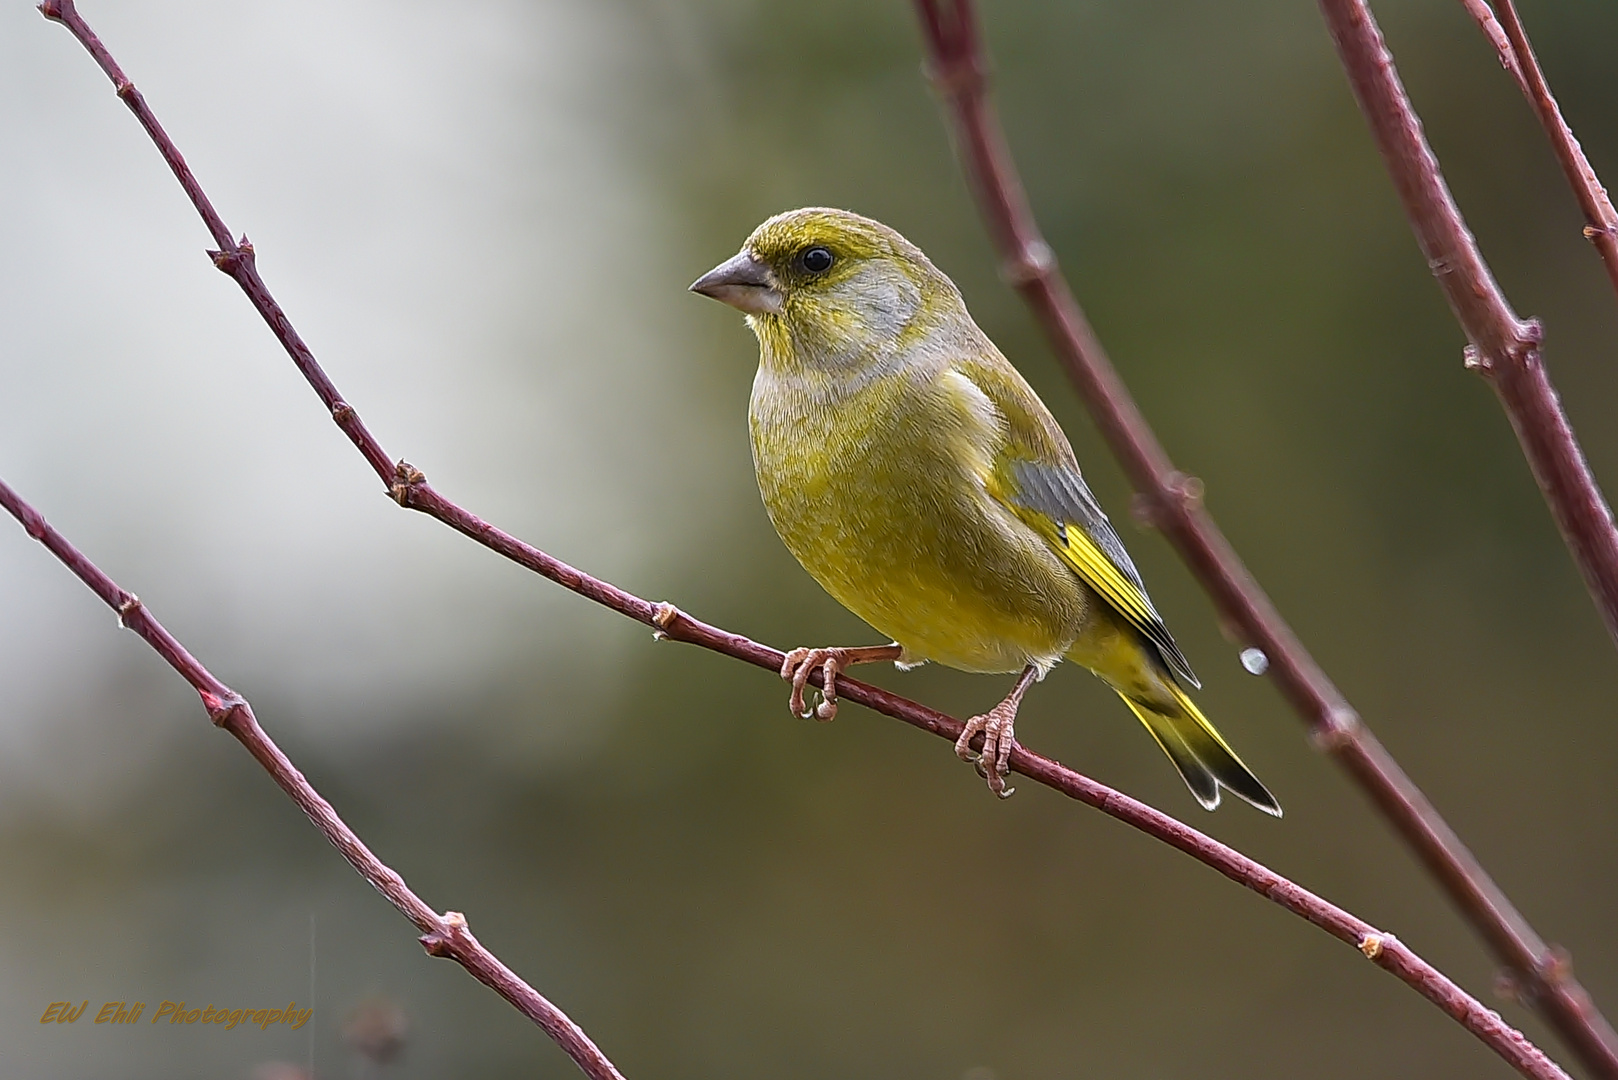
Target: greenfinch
[[917, 476]]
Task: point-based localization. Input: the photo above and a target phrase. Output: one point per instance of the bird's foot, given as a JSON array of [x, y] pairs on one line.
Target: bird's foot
[[998, 727], [800, 664]]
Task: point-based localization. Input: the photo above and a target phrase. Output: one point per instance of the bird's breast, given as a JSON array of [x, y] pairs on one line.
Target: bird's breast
[[877, 490]]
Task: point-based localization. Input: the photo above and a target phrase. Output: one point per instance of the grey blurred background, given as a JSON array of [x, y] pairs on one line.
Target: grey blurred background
[[483, 218]]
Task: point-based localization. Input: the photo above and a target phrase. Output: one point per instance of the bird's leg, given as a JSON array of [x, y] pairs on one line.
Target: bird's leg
[[997, 726], [800, 663]]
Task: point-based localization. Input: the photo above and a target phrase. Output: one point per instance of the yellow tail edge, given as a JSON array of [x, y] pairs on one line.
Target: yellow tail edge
[[1204, 759]]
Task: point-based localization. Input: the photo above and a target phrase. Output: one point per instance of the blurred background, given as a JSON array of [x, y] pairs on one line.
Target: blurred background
[[483, 218]]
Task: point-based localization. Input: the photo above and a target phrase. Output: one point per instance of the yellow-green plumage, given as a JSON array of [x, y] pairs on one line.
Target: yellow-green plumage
[[916, 475]]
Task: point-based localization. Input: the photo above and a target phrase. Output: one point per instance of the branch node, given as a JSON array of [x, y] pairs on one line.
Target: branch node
[[406, 478], [1188, 489], [1555, 966], [1373, 943], [1474, 359], [1338, 730], [342, 412], [1176, 490], [127, 607], [57, 10], [234, 259], [124, 89], [664, 615], [221, 708], [1033, 260], [958, 76], [1524, 352], [441, 942]]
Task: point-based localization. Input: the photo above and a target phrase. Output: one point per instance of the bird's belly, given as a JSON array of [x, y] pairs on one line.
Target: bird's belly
[[910, 542]]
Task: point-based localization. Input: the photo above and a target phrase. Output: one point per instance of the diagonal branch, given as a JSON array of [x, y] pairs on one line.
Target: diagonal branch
[[1483, 15], [1511, 42], [447, 935], [444, 935], [1172, 502], [1503, 348], [408, 486]]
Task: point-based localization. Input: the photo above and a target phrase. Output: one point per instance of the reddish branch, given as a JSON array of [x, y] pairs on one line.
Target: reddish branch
[[1484, 15], [442, 935], [447, 935], [1505, 350], [1172, 500], [1510, 41]]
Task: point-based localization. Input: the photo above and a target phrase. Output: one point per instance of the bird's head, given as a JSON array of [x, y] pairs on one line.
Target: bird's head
[[831, 289]]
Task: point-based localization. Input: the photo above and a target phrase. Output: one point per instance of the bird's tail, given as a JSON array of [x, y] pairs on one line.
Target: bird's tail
[[1204, 759]]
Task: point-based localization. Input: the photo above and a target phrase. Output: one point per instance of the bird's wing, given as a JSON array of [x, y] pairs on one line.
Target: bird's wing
[[1038, 479]]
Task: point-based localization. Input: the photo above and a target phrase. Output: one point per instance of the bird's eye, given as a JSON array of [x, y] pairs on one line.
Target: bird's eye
[[816, 260]]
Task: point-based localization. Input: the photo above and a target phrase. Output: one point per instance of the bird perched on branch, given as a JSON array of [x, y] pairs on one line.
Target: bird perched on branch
[[921, 481]]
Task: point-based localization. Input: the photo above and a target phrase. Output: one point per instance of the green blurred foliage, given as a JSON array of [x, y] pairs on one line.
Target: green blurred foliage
[[713, 888]]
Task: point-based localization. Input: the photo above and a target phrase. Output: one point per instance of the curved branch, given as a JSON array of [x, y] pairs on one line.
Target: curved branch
[[1171, 501], [407, 485], [443, 935]]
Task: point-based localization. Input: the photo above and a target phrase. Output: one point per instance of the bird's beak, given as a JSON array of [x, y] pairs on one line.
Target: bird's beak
[[744, 283]]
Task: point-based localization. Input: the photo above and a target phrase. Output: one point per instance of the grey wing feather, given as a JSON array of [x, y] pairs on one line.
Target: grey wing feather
[[1060, 493]]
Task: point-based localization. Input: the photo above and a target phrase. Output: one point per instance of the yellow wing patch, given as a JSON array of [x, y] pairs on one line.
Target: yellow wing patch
[[1053, 501]]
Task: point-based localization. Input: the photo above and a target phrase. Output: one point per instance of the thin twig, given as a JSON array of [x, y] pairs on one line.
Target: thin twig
[[408, 486], [1503, 348], [444, 935], [1600, 219], [1483, 14], [447, 935], [1171, 500]]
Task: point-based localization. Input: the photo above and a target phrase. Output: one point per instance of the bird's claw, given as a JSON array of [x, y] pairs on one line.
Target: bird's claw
[[999, 737], [799, 664]]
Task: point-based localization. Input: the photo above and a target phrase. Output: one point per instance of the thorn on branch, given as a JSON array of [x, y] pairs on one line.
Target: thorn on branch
[[441, 942], [406, 478], [237, 257]]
